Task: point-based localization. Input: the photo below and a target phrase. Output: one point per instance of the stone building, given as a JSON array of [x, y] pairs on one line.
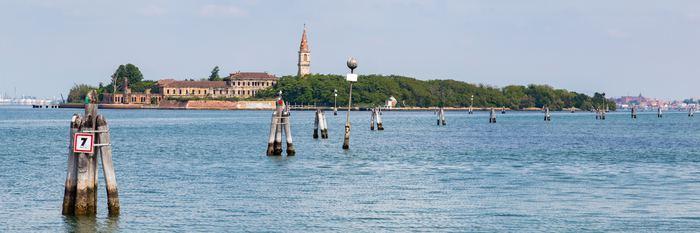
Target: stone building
[[304, 63], [128, 97], [239, 84]]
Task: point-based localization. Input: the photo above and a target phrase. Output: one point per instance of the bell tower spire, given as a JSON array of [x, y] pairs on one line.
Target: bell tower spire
[[304, 63]]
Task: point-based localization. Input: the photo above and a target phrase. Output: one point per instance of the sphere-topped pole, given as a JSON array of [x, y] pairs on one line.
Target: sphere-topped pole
[[351, 77]]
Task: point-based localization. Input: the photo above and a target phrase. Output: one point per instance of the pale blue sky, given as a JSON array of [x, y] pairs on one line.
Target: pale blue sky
[[620, 47]]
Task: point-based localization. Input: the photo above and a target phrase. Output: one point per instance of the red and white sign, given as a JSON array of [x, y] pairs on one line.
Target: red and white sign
[[83, 143]]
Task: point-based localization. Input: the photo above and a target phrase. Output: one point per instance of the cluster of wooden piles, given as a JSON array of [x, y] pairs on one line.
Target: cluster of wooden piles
[[80, 195]]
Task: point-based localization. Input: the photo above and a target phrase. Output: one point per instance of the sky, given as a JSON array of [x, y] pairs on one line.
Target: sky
[[623, 47]]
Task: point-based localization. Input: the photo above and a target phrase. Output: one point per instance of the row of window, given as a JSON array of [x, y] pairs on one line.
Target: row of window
[[133, 99], [200, 92], [254, 84]]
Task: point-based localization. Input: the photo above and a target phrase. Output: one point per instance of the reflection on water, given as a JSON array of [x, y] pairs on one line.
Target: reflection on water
[[90, 224]]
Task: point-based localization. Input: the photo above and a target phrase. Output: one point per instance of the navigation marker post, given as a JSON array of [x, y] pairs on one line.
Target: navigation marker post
[[89, 138], [351, 77]]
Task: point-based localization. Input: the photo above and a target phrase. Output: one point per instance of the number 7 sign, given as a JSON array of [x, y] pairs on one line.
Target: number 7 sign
[[83, 143]]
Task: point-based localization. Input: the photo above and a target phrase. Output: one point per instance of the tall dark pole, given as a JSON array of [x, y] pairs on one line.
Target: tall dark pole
[[352, 64]]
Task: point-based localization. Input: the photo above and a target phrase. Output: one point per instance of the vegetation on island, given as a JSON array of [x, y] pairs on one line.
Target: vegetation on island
[[78, 92], [215, 74], [374, 90]]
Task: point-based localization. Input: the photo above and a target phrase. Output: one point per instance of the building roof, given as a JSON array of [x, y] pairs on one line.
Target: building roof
[[192, 84], [304, 46], [251, 75]]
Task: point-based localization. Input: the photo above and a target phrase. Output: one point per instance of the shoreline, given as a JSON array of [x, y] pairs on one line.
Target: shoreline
[[186, 107]]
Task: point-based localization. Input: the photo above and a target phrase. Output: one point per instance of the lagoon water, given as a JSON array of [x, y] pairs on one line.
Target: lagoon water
[[190, 171]]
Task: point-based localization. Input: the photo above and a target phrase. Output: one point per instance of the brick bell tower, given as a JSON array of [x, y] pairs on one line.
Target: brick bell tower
[[304, 63]]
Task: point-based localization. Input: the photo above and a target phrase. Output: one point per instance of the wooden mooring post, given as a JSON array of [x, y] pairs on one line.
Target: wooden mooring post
[[317, 123], [441, 116], [691, 111], [280, 125], [659, 114], [324, 125], [372, 116], [634, 112], [492, 116], [376, 116], [89, 139], [320, 124]]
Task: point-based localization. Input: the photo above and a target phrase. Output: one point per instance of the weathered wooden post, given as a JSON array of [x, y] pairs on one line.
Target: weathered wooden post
[[288, 131], [324, 125], [441, 116], [85, 201], [105, 151], [380, 126], [659, 114], [69, 194], [438, 114], [280, 124], [87, 134], [691, 111], [371, 119], [278, 133], [634, 112], [492, 116], [603, 113], [317, 122], [547, 116], [273, 132]]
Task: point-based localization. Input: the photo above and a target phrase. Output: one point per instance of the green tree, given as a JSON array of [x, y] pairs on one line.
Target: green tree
[[129, 71], [215, 74], [373, 90], [78, 92]]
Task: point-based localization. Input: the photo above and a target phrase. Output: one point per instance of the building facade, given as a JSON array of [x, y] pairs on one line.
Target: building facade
[[304, 64], [128, 97], [239, 85]]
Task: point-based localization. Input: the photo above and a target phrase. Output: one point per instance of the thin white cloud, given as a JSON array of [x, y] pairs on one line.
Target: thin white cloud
[[213, 10], [153, 10]]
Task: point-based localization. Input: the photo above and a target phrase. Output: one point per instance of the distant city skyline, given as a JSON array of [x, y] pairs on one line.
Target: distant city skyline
[[617, 47]]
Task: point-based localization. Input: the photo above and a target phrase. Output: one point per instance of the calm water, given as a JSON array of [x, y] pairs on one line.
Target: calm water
[[207, 171]]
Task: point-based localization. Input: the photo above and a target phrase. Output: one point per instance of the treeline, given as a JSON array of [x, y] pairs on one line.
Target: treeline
[[374, 90]]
